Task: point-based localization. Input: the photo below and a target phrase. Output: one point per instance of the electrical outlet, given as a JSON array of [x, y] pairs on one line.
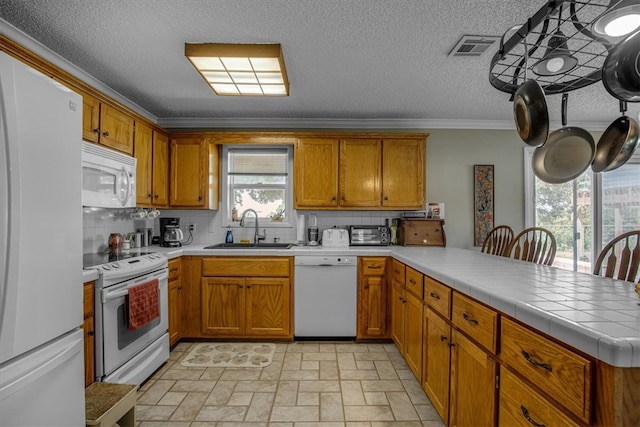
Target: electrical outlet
[[191, 227]]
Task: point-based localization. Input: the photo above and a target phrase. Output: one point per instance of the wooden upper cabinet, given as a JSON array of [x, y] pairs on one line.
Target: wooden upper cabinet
[[316, 172], [193, 172], [363, 172], [403, 173], [144, 166], [106, 125], [160, 169], [359, 172], [152, 153], [90, 118]]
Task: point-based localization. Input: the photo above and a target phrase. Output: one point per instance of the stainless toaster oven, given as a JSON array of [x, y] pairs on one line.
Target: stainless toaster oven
[[368, 235]]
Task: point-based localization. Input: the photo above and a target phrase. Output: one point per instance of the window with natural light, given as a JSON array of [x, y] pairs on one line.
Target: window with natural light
[[581, 223], [258, 178]]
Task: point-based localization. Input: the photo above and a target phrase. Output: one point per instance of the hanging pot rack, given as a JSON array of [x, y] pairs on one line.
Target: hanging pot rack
[[575, 19]]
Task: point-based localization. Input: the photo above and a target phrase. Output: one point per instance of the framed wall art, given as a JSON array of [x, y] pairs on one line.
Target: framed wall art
[[483, 215]]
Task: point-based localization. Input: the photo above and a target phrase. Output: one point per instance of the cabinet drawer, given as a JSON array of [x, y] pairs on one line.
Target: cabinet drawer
[[521, 406], [438, 296], [562, 374], [477, 321], [397, 271], [413, 282], [88, 300], [246, 267], [371, 266], [175, 267]]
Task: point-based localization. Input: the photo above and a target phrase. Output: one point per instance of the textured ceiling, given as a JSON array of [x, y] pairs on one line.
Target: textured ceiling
[[362, 60]]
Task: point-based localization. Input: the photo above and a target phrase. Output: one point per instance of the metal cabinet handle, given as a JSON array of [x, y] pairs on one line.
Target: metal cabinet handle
[[156, 196], [173, 269], [443, 338], [525, 413], [248, 286], [333, 199], [377, 267], [535, 363], [96, 130], [413, 282], [91, 333], [469, 319], [343, 198], [386, 197], [149, 195], [105, 133], [199, 198], [366, 286], [434, 295]]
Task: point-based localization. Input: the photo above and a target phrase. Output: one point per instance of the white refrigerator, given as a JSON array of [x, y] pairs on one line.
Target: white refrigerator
[[41, 345]]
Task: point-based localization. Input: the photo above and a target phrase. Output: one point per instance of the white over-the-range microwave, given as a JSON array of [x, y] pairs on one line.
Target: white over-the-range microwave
[[108, 178]]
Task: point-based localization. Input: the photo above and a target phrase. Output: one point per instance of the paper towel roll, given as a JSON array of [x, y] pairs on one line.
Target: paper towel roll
[[300, 229]]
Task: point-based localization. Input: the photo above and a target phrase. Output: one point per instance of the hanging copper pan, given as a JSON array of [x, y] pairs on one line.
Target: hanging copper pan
[[617, 143], [567, 153], [621, 69]]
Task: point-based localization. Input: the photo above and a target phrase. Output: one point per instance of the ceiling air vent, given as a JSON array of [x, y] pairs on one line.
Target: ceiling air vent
[[473, 45]]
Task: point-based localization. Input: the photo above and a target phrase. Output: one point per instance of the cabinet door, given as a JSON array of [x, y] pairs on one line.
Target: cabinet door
[[90, 118], [175, 311], [188, 172], [413, 333], [116, 129], [268, 307], [437, 362], [397, 315], [403, 173], [160, 182], [89, 351], [143, 150], [372, 307], [473, 384], [360, 168], [316, 172], [223, 302]]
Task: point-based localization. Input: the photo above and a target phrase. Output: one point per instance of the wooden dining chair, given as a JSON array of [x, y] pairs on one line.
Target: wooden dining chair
[[534, 244], [498, 240], [620, 258]]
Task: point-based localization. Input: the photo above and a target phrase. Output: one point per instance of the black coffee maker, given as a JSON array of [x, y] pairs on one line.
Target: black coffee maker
[[170, 233]]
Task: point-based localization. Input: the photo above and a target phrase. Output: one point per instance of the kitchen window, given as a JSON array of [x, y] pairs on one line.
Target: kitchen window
[[586, 213], [258, 178]]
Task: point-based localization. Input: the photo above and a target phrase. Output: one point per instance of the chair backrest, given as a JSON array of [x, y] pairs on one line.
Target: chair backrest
[[620, 258], [498, 240], [535, 244]]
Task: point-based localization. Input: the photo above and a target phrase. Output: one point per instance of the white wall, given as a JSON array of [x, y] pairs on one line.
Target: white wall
[[451, 155]]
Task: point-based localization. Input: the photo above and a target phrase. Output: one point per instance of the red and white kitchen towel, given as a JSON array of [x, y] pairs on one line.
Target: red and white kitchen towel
[[144, 304]]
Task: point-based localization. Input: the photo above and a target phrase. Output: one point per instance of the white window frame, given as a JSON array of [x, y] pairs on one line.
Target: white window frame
[[227, 203]]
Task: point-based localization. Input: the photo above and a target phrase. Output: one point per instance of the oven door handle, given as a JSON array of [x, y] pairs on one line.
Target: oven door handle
[[110, 296]]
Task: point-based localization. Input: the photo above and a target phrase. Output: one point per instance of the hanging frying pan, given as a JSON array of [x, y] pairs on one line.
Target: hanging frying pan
[[530, 109], [617, 143], [621, 69], [567, 153]]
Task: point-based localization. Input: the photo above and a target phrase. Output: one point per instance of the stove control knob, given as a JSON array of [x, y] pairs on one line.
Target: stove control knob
[[115, 265], [106, 267]]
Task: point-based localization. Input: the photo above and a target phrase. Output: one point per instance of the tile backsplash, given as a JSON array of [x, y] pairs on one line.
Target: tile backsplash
[[98, 224]]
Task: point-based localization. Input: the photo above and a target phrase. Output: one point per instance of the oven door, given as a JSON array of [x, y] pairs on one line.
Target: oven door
[[118, 343]]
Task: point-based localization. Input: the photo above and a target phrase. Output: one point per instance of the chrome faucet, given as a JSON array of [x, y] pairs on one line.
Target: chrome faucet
[[257, 236]]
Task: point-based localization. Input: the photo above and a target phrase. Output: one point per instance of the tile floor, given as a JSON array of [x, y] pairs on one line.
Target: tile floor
[[309, 384]]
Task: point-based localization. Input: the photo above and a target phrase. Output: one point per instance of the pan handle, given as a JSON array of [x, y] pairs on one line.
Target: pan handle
[[623, 107], [565, 100]]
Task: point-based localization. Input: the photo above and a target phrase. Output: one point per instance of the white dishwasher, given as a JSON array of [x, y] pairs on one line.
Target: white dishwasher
[[326, 292]]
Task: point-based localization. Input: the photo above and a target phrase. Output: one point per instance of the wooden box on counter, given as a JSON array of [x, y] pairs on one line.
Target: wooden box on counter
[[421, 232]]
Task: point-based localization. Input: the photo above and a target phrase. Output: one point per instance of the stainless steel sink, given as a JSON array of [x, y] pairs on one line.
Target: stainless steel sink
[[248, 246]]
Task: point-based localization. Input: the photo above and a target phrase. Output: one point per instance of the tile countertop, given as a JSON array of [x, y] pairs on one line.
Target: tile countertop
[[598, 316]]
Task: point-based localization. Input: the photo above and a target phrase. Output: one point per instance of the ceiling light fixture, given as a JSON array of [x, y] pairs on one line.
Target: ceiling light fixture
[[620, 19], [240, 69], [557, 59]]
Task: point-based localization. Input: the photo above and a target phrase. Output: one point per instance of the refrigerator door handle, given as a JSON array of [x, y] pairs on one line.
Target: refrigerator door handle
[[18, 382]]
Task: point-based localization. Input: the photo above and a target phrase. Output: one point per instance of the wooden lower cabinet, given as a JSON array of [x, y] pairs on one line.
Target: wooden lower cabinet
[[372, 298], [246, 297], [521, 406], [407, 320], [473, 384], [89, 334], [437, 362], [175, 300]]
